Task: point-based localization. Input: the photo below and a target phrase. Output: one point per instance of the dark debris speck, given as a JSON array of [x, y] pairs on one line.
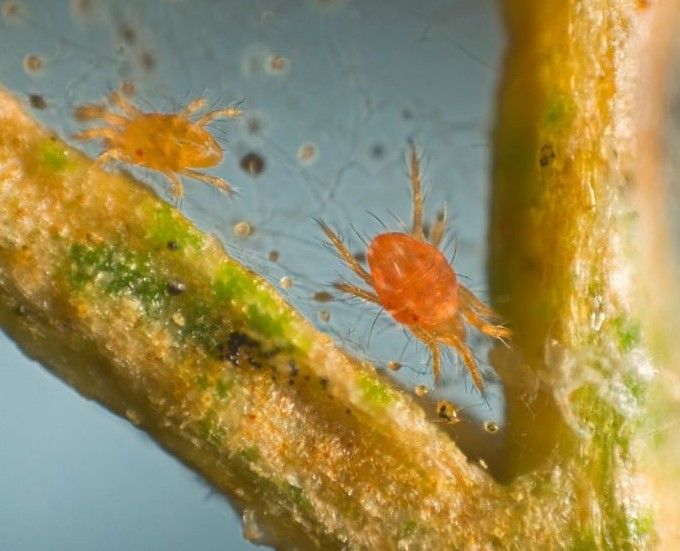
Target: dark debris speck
[[37, 101], [175, 287], [377, 151], [547, 155], [231, 350], [252, 163], [322, 296]]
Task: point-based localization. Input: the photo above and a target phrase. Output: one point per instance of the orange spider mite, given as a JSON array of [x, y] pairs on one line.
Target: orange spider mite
[[413, 281], [171, 143]]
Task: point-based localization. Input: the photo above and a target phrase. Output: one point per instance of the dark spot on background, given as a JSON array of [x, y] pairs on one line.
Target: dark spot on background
[[147, 61], [33, 63], [254, 125], [11, 9], [378, 151], [83, 6], [37, 101], [252, 163], [323, 296], [127, 33]]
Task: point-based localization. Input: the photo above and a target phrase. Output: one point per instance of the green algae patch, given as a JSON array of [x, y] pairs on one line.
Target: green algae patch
[[559, 112], [223, 387], [54, 155], [169, 228], [118, 271], [251, 454], [265, 313], [584, 542], [211, 430], [375, 392], [295, 495], [235, 283], [628, 332], [409, 529]]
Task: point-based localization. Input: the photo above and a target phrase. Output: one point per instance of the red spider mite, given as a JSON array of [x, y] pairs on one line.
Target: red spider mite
[[412, 280], [174, 144]]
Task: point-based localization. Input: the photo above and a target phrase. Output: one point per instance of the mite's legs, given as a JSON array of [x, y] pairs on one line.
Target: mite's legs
[[91, 111], [109, 155], [345, 254], [438, 229], [357, 292], [120, 101], [459, 344], [193, 107], [417, 226], [490, 329], [177, 188], [212, 180], [228, 112], [470, 301], [94, 134], [431, 342], [480, 315]]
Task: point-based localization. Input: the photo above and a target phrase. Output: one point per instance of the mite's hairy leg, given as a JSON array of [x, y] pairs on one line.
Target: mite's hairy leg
[[345, 254], [211, 180], [357, 292], [438, 228], [431, 342], [417, 225], [177, 187], [92, 111], [95, 134], [228, 112], [120, 101], [193, 107], [463, 349]]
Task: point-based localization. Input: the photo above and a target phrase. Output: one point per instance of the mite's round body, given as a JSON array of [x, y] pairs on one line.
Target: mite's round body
[[174, 144], [166, 142], [413, 280]]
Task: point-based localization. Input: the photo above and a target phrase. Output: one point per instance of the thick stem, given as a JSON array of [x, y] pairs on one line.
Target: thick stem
[[124, 299], [577, 218]]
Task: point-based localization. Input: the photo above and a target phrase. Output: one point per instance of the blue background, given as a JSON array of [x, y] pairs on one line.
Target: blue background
[[355, 79]]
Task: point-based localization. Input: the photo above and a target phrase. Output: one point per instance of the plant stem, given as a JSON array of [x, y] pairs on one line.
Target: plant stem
[[129, 303]]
